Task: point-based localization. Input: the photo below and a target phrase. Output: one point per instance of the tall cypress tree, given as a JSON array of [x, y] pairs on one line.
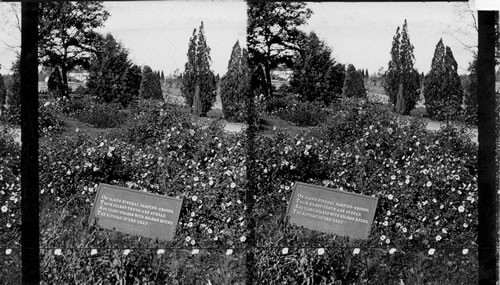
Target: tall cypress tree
[[401, 76], [234, 84], [443, 91], [189, 75], [393, 73], [197, 72]]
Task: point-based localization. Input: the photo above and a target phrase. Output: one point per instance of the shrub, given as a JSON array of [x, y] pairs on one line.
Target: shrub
[[426, 183], [353, 84], [150, 85], [102, 115]]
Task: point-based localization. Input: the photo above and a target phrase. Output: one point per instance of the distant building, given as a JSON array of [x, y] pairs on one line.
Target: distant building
[[281, 76]]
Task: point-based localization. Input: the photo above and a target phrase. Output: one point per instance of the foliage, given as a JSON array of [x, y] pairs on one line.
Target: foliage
[[354, 85], [401, 77], [272, 34], [316, 75], [234, 86], [112, 76], [443, 91], [101, 115], [12, 113], [66, 34], [470, 93], [296, 111], [426, 184], [55, 85], [197, 73], [150, 87]]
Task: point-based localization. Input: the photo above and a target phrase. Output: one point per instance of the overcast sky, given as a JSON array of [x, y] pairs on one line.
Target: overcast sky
[[361, 33], [157, 33]]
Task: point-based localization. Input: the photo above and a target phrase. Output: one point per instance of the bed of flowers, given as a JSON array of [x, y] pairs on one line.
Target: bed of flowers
[[424, 231], [425, 226], [161, 150]]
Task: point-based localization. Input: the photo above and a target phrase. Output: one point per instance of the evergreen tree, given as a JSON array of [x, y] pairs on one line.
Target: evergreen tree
[[443, 90], [234, 85], [401, 76], [206, 78], [353, 84], [367, 75], [112, 76], [150, 85], [162, 76], [316, 75], [55, 84], [189, 76], [197, 72], [470, 93]]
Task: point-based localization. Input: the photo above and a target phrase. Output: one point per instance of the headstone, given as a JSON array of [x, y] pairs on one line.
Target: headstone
[[332, 211], [135, 212]]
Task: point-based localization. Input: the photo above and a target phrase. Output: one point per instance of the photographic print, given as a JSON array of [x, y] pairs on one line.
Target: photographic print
[[244, 142]]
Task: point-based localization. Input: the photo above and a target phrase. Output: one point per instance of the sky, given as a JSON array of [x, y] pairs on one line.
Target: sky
[[361, 33], [157, 33]]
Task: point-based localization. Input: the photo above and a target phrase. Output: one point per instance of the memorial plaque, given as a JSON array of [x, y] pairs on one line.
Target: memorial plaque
[[134, 212], [331, 211]]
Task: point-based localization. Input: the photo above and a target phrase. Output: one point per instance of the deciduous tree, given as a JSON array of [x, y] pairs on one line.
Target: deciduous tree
[[66, 34], [272, 33]]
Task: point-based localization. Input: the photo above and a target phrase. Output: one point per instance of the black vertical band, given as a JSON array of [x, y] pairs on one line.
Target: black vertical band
[[29, 138]]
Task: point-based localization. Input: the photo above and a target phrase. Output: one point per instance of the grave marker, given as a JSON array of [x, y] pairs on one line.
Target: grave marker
[[331, 211], [134, 212]]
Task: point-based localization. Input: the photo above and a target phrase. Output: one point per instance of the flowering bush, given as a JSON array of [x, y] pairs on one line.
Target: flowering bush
[[426, 182]]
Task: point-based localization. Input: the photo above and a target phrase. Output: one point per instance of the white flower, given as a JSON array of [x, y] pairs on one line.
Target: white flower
[[190, 224], [229, 252], [196, 179], [126, 251], [404, 230], [243, 239], [438, 238], [8, 251], [284, 250], [388, 213], [321, 251], [431, 251], [393, 177], [465, 225], [194, 198], [429, 184], [188, 239], [4, 209], [233, 184], [465, 251], [390, 197], [193, 214], [355, 251], [461, 209], [46, 104], [407, 181], [93, 252], [392, 250], [210, 182], [387, 241], [193, 242], [444, 231], [209, 231], [385, 223], [160, 251], [195, 251], [382, 237], [57, 251]]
